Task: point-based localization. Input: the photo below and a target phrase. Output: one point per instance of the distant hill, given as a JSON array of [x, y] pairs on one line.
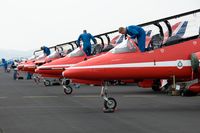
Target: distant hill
[[13, 54]]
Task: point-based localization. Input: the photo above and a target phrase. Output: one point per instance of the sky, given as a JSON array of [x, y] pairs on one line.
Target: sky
[[29, 24]]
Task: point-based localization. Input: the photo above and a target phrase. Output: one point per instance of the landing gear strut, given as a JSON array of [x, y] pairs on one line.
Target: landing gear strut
[[37, 79], [109, 103]]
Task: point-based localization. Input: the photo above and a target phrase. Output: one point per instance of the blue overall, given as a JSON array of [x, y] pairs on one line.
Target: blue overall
[[29, 76], [86, 37], [139, 33], [46, 51], [5, 64]]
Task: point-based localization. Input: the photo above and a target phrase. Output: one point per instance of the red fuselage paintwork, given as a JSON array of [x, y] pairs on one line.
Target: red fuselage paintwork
[[30, 66], [56, 67], [161, 63]]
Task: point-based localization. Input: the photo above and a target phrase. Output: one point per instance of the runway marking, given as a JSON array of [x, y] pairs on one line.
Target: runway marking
[[3, 97], [139, 96], [40, 96], [86, 96]]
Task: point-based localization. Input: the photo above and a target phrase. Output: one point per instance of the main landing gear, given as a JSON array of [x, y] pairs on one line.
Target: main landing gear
[[37, 79], [110, 103]]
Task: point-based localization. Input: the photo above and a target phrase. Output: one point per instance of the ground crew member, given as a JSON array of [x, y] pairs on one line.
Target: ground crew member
[[5, 64], [14, 66], [46, 50], [86, 37], [135, 32]]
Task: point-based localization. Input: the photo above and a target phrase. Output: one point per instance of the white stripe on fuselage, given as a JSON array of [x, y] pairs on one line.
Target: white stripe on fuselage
[[55, 66], [183, 63]]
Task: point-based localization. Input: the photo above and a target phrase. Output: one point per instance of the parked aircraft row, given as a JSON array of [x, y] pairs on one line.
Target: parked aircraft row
[[171, 60]]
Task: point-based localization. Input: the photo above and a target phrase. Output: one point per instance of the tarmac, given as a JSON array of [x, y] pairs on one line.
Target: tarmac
[[26, 107]]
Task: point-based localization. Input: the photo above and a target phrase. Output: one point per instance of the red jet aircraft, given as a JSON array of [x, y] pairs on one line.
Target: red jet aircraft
[[176, 59], [55, 68]]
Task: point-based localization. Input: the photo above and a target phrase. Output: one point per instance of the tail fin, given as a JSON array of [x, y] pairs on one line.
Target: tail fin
[[180, 29]]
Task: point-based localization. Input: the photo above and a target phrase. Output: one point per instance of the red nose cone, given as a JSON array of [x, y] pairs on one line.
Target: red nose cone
[[29, 68], [66, 73], [71, 73], [78, 73]]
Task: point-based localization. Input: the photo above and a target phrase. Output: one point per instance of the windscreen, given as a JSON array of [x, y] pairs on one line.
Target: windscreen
[[77, 52], [32, 57], [55, 54], [41, 56], [126, 46]]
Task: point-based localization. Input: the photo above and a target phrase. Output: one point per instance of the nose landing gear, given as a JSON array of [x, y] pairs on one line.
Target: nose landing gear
[[110, 103]]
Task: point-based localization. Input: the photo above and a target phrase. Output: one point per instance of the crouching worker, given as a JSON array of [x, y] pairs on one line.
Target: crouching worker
[[46, 50], [135, 32]]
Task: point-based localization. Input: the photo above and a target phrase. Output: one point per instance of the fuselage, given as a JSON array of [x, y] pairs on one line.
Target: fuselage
[[161, 63], [56, 67], [31, 65]]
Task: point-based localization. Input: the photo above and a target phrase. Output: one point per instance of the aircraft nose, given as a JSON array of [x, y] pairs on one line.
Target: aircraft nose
[[66, 73], [71, 73], [75, 73]]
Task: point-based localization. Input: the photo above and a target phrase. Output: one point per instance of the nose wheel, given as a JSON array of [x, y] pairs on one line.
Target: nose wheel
[[67, 89], [47, 83], [66, 85], [110, 103]]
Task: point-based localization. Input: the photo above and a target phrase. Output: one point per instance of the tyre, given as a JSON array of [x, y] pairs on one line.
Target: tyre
[[156, 88], [188, 93], [68, 90], [47, 83], [110, 104]]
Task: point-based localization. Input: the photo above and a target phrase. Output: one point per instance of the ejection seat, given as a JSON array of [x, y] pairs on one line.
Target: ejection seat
[[107, 48], [156, 42], [99, 48]]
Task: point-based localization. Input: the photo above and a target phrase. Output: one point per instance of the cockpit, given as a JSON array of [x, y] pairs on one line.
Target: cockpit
[[160, 35]]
